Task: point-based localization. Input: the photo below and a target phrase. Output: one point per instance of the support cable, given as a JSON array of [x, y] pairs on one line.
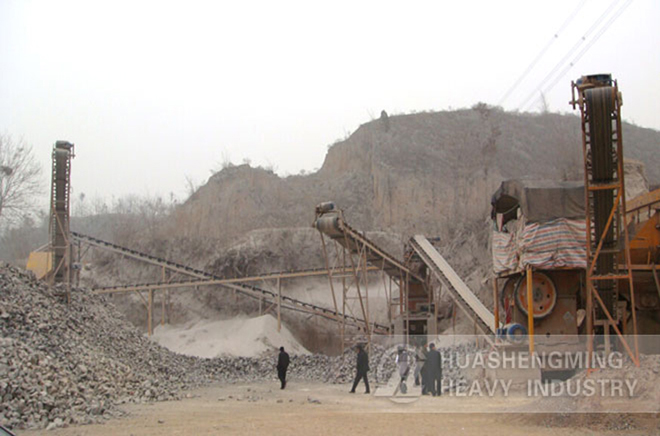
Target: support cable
[[583, 51], [573, 49], [542, 52]]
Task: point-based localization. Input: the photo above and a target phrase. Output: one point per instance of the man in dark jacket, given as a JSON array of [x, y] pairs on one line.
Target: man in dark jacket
[[282, 365], [362, 369], [433, 370]]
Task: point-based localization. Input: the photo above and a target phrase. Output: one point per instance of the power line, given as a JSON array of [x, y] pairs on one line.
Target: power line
[[575, 47], [600, 33], [542, 52]]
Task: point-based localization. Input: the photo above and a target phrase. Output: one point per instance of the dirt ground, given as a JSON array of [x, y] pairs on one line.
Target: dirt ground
[[320, 409]]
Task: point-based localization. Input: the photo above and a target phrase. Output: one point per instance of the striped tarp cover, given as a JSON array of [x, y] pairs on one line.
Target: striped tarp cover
[[559, 243]]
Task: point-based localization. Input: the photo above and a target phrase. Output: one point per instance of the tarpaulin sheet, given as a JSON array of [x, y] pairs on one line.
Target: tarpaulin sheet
[[540, 200], [560, 243]]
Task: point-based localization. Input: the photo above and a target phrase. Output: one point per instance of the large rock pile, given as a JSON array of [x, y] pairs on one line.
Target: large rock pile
[[64, 363], [341, 369], [74, 363]]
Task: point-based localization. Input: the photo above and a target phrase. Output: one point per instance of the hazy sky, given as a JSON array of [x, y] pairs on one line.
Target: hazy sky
[[152, 92]]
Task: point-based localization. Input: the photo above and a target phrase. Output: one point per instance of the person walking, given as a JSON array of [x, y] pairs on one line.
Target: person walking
[[403, 367], [420, 358], [362, 369], [433, 368], [282, 365]]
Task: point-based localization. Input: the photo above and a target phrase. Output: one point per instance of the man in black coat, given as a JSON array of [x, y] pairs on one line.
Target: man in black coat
[[433, 370], [362, 369], [282, 365]]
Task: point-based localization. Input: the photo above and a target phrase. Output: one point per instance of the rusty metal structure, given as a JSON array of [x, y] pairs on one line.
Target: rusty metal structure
[[420, 278], [54, 261], [173, 271], [608, 242], [60, 202], [352, 250], [604, 282]]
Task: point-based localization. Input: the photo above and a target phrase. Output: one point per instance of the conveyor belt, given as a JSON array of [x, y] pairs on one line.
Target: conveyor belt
[[600, 104], [334, 226], [312, 272], [458, 290], [250, 291]]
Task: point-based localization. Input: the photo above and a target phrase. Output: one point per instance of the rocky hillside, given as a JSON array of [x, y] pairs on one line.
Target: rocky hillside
[[405, 174]]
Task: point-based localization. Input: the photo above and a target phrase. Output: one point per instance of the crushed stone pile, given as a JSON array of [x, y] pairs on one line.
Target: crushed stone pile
[[605, 413], [63, 364], [646, 379], [341, 369]]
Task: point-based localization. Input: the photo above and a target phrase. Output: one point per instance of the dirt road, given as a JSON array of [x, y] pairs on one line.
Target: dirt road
[[319, 409]]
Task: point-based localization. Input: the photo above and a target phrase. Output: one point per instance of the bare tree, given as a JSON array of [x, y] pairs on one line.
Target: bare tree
[[19, 178], [191, 186]]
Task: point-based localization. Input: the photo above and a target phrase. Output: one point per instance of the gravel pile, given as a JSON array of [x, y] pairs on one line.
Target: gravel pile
[[73, 364], [62, 364], [646, 394], [453, 362]]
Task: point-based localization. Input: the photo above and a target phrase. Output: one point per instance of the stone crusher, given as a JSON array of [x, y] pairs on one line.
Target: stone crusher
[[561, 251], [539, 231]]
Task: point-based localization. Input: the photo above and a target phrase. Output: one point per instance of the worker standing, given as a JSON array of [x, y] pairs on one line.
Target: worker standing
[[282, 366], [362, 369], [433, 368]]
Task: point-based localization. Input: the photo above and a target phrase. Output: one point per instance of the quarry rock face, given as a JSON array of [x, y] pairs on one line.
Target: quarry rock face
[[419, 173], [635, 178]]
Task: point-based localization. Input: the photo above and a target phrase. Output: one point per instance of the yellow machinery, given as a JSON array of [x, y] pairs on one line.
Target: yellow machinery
[[643, 221], [40, 263]]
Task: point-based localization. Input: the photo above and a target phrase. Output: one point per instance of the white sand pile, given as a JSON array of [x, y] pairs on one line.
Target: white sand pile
[[238, 337]]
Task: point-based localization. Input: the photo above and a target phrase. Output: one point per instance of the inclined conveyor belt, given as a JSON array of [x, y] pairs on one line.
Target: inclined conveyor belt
[[473, 308], [333, 225], [248, 290]]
